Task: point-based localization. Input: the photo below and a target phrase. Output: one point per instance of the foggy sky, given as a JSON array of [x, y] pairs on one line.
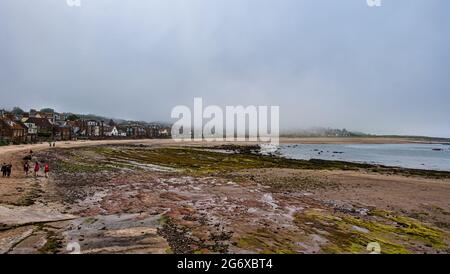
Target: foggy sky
[[326, 63]]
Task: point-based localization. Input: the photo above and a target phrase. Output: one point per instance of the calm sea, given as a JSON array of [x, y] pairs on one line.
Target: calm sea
[[421, 156]]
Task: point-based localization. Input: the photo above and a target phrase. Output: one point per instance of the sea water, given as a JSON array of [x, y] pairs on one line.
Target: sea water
[[418, 156]]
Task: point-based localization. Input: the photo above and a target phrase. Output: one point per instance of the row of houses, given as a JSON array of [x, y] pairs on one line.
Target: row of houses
[[35, 126], [94, 129]]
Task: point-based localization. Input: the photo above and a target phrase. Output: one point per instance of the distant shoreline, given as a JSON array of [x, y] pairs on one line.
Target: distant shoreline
[[363, 140], [283, 140]]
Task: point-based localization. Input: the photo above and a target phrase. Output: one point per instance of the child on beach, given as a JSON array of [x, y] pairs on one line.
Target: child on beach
[[46, 170], [36, 169]]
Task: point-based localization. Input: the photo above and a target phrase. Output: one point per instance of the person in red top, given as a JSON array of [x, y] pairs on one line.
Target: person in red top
[[36, 169], [46, 170]]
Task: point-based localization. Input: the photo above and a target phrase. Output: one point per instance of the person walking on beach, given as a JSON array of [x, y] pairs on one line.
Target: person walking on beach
[[26, 168], [36, 169], [46, 170], [8, 170], [4, 169]]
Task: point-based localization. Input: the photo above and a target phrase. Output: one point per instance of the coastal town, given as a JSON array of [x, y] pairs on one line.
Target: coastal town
[[46, 125]]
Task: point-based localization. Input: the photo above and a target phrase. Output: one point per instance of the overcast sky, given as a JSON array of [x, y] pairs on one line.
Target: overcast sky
[[326, 63]]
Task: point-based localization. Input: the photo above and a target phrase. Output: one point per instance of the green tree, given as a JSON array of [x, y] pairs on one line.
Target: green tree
[[48, 110], [17, 111], [72, 117]]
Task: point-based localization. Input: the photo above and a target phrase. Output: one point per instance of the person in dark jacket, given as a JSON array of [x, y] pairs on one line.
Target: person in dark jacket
[[4, 169], [8, 169], [26, 168]]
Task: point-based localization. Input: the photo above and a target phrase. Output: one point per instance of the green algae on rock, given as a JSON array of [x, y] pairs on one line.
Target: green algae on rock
[[350, 234]]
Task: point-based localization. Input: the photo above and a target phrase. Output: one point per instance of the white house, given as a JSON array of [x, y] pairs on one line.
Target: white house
[[112, 132], [32, 128]]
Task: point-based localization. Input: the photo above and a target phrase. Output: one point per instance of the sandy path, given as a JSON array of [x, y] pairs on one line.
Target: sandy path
[[4, 150]]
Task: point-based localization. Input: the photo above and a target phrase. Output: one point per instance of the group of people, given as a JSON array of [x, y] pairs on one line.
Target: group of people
[[6, 169], [37, 168]]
